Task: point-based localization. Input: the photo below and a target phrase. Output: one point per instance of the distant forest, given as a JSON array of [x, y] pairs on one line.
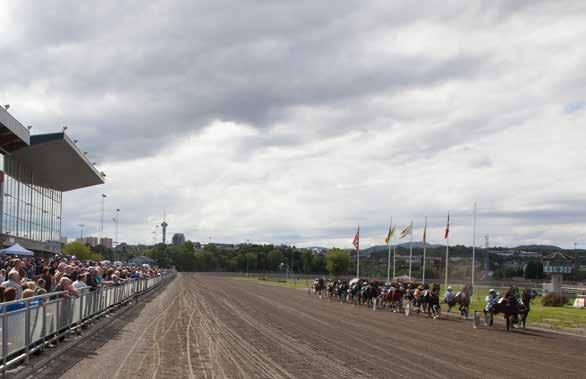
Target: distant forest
[[490, 263], [494, 263]]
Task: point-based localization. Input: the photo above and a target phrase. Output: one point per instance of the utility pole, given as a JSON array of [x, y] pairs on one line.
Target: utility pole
[[102, 217], [115, 219], [473, 248]]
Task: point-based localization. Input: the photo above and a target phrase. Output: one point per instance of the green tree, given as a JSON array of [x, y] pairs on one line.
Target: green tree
[[275, 258], [81, 251], [251, 262], [337, 262], [318, 264], [307, 259], [160, 255]]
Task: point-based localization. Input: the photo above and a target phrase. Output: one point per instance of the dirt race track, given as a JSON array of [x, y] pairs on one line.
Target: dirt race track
[[203, 326]]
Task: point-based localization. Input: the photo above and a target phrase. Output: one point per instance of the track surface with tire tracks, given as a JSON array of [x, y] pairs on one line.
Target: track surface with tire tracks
[[204, 326]]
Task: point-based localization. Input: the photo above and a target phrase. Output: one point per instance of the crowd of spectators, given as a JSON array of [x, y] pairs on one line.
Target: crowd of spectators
[[25, 277]]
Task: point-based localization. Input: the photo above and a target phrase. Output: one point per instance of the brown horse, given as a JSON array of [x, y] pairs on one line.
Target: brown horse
[[526, 297], [509, 307], [462, 298], [430, 301], [319, 287]]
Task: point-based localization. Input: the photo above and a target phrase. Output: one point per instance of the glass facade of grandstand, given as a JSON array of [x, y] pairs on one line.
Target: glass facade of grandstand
[[29, 210]]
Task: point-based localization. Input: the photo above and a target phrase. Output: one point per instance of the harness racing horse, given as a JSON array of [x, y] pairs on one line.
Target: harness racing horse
[[355, 291], [341, 291], [331, 290], [412, 302], [370, 295], [462, 298], [318, 287], [526, 297], [431, 302], [383, 296], [396, 298], [509, 307]]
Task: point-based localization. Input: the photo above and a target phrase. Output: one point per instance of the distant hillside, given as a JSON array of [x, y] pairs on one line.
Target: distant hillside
[[385, 248], [536, 248]]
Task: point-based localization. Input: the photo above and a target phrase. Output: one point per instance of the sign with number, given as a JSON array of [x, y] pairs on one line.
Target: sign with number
[[557, 269]]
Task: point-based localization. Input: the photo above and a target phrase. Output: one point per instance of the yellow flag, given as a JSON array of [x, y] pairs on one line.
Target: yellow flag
[[390, 234]]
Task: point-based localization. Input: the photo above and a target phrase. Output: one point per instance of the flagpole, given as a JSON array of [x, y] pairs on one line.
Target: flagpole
[[358, 262], [424, 248], [394, 258], [410, 248], [389, 258], [358, 254], [447, 259], [473, 248], [447, 250]]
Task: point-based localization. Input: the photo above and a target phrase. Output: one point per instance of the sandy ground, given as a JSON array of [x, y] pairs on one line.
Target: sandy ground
[[203, 326]]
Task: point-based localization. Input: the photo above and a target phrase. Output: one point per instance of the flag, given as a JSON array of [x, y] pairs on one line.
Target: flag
[[425, 232], [405, 232], [447, 228], [390, 234], [356, 241]]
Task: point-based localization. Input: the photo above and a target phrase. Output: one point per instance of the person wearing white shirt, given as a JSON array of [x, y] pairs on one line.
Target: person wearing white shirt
[[13, 282], [80, 282]]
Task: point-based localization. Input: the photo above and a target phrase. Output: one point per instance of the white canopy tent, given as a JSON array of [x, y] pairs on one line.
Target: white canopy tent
[[16, 249]]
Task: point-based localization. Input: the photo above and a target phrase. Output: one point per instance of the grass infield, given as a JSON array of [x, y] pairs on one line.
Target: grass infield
[[540, 316]]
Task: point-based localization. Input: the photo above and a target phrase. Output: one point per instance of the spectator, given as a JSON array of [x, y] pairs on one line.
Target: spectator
[[91, 280], [13, 282], [28, 293], [59, 272], [40, 286], [29, 285], [19, 266], [65, 284], [99, 275], [47, 278], [80, 282], [10, 295], [2, 275]]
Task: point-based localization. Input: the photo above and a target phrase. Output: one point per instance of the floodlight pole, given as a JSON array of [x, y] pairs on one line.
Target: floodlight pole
[[473, 248], [102, 217], [116, 226]]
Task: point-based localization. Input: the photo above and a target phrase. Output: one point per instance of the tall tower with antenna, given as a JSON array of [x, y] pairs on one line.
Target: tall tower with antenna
[[164, 226]]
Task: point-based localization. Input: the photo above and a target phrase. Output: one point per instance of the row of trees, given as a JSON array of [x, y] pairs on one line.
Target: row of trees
[[267, 258], [249, 258]]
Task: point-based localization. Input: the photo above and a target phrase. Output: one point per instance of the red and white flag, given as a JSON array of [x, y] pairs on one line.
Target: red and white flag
[[356, 241], [447, 227]]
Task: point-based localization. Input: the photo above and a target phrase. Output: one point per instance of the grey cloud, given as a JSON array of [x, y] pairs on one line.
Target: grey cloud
[[146, 75], [134, 79]]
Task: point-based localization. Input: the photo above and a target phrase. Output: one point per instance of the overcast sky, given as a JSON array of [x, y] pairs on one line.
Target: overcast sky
[[295, 121]]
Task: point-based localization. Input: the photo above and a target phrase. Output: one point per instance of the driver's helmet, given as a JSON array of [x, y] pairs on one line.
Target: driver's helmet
[[420, 288], [449, 288], [492, 291]]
